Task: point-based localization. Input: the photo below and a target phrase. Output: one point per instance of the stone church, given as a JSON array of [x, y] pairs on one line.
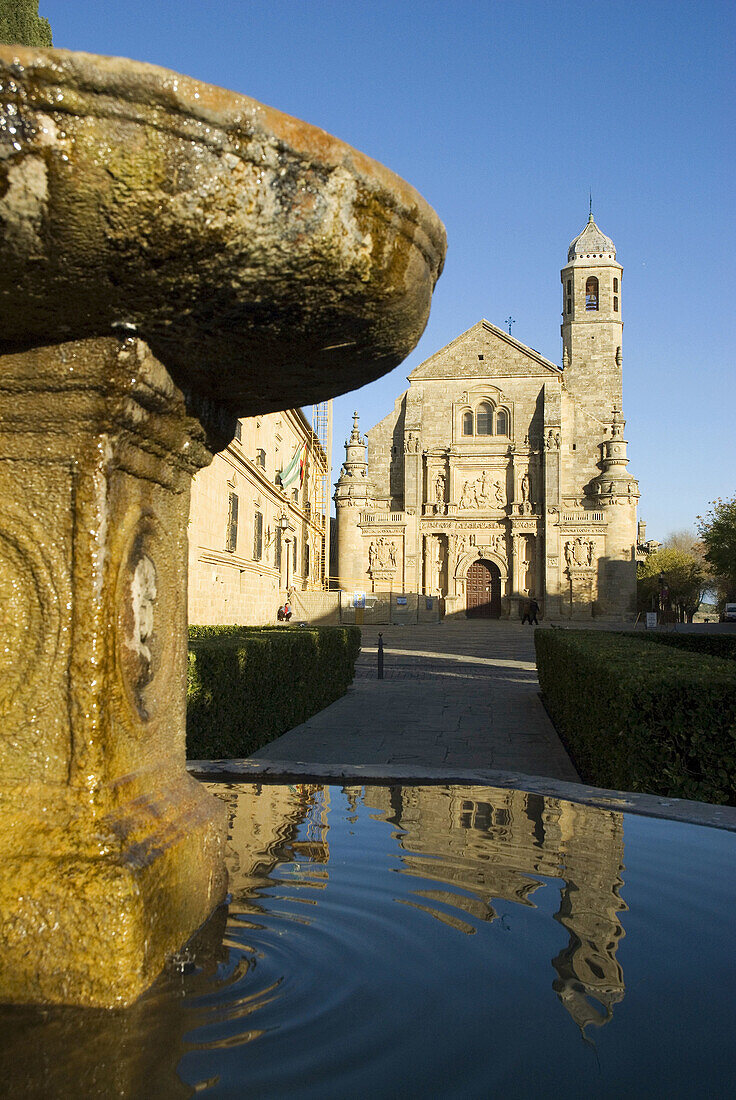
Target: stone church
[[501, 476]]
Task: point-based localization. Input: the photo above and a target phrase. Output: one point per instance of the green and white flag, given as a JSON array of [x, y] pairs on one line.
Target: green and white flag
[[294, 472]]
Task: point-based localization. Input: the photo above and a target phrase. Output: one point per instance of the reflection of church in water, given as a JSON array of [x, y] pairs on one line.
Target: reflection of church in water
[[485, 845], [500, 475]]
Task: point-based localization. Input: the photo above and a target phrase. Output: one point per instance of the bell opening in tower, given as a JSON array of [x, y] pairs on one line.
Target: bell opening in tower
[[591, 293]]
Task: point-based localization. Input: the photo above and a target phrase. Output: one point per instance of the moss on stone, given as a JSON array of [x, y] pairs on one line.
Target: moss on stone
[[21, 25]]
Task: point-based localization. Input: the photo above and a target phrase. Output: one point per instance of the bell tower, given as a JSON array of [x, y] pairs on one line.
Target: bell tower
[[592, 328]]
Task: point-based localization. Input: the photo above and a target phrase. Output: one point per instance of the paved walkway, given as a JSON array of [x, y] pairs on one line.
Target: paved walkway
[[454, 695]]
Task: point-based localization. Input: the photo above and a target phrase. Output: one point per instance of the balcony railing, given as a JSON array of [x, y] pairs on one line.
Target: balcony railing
[[382, 517]]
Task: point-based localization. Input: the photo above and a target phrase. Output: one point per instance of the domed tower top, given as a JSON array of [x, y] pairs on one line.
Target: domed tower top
[[592, 324], [591, 244]]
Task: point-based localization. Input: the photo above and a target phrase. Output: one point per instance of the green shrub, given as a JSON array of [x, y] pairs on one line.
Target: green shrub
[[713, 645], [642, 717], [248, 685]]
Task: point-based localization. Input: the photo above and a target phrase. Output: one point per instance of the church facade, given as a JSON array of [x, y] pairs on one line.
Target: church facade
[[500, 476]]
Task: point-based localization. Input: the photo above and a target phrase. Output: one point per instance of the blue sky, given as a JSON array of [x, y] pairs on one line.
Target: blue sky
[[503, 115]]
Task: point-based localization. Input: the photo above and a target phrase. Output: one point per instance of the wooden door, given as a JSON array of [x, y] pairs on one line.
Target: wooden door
[[483, 591]]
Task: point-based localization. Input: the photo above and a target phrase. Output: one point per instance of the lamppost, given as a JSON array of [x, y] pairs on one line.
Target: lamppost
[[284, 525]]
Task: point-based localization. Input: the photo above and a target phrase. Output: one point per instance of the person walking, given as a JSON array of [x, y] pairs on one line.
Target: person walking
[[531, 607]]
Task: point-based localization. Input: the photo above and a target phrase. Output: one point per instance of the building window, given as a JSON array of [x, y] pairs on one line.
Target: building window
[[306, 559], [277, 549], [467, 423], [615, 286], [569, 305], [484, 419], [591, 293], [257, 536], [231, 536], [569, 287], [238, 431], [294, 554], [615, 303], [295, 495], [502, 422], [261, 458]]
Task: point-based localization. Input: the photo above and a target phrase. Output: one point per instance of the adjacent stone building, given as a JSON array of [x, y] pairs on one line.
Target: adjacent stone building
[[500, 475], [258, 524]]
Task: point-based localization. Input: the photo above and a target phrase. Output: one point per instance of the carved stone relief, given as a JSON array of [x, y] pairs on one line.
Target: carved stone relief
[[29, 605], [381, 554], [144, 601], [579, 552], [484, 492]]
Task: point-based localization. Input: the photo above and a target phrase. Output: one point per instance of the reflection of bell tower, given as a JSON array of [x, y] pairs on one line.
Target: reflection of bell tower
[[592, 328], [590, 979], [351, 494]]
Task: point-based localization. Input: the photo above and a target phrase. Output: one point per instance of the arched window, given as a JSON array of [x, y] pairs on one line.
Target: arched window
[[591, 293], [502, 422], [615, 285], [484, 419], [467, 423]]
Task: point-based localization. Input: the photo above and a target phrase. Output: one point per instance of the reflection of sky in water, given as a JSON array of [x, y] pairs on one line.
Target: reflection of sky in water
[[427, 941]]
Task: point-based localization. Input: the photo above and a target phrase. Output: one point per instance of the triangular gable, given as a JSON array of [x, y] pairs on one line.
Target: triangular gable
[[503, 357]]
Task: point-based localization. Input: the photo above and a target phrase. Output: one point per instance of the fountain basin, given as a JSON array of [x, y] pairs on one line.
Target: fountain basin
[[426, 940], [265, 263]]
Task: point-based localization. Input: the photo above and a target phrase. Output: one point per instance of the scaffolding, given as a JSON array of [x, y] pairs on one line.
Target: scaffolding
[[322, 433]]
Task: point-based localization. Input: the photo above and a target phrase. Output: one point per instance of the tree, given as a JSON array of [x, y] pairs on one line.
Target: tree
[[21, 25], [673, 577], [717, 529]]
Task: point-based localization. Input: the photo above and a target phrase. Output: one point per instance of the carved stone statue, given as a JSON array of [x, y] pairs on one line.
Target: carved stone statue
[[525, 488], [483, 489], [439, 488], [459, 544], [467, 496]]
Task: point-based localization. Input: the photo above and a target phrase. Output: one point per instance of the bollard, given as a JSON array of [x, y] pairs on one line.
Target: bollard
[[380, 656]]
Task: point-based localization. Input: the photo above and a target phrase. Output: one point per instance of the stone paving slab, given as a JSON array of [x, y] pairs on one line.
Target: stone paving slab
[[460, 694]]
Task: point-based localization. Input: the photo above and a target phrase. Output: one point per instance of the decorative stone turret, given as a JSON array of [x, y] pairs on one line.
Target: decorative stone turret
[[615, 485], [351, 497], [617, 493]]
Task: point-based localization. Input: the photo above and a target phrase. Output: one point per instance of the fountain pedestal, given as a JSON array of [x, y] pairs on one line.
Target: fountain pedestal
[[255, 263], [111, 854]]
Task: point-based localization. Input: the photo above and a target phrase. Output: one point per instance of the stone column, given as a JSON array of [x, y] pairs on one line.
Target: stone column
[[104, 839], [515, 576], [428, 540]]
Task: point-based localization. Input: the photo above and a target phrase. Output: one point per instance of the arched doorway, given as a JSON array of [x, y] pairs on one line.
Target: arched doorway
[[483, 590]]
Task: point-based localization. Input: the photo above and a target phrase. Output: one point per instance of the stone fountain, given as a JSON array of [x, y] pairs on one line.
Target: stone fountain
[[173, 256]]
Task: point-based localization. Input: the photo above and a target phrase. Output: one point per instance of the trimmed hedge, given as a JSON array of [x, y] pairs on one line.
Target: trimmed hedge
[[248, 685], [642, 717], [713, 645]]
